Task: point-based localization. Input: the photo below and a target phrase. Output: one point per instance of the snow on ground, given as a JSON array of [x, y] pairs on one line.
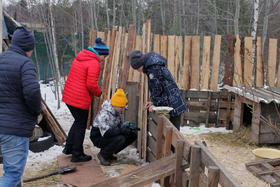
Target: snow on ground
[[202, 130]]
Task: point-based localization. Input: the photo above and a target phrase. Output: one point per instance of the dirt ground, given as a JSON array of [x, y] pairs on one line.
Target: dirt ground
[[233, 150]]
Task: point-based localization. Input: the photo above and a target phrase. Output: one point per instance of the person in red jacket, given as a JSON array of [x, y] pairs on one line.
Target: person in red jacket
[[80, 86]]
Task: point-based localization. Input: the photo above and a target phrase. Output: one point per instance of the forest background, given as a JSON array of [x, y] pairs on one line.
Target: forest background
[[62, 27]]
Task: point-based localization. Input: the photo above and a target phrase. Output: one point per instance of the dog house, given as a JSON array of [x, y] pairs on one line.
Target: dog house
[[258, 109]]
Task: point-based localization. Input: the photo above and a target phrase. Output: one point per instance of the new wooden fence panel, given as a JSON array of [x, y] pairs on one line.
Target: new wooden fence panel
[[206, 63], [178, 61], [216, 63], [171, 56], [187, 61], [271, 63], [157, 43], [195, 63], [164, 46], [259, 69], [248, 66], [237, 75]]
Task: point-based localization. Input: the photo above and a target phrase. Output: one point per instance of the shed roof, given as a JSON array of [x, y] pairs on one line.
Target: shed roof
[[258, 95]]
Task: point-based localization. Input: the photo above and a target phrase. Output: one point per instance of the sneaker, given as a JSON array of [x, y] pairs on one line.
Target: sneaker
[[103, 161], [67, 151], [81, 158], [113, 158]]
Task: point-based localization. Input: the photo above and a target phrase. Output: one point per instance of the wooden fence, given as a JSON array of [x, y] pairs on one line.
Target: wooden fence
[[174, 161]]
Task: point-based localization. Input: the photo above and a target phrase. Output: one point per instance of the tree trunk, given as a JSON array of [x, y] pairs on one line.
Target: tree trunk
[[114, 13], [254, 36], [81, 23], [162, 12], [54, 50], [107, 14], [236, 17], [265, 24], [198, 17], [95, 15]]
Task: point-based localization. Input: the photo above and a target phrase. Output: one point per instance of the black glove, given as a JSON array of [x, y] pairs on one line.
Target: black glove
[[131, 126], [125, 130]]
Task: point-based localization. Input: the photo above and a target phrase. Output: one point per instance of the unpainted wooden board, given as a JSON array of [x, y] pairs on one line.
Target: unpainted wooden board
[[271, 62], [164, 46], [248, 66], [206, 63], [260, 66], [157, 43], [187, 61], [171, 56], [237, 75], [179, 61], [216, 63], [195, 63]]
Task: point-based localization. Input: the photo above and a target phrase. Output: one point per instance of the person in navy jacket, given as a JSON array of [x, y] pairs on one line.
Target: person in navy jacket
[[20, 104], [163, 89]]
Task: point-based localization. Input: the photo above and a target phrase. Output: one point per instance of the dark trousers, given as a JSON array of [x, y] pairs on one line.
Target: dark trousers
[[113, 144], [176, 121], [76, 135]]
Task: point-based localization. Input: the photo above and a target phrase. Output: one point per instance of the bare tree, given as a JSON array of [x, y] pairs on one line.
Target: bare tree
[[107, 14], [162, 12], [254, 35], [236, 17], [81, 23]]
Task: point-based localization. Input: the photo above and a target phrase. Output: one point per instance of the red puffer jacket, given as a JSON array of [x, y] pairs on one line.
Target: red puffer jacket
[[82, 81]]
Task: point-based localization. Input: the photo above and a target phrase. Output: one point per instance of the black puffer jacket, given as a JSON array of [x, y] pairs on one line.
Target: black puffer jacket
[[163, 89], [20, 97]]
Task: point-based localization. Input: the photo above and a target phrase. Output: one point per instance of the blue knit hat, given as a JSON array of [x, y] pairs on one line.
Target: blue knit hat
[[23, 39], [100, 47]]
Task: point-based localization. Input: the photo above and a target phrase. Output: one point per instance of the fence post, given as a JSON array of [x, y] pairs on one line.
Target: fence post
[[213, 176], [159, 139], [179, 159], [195, 166]]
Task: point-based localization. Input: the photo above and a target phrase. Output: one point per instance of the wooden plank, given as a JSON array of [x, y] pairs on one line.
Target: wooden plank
[[271, 62], [237, 76], [195, 163], [238, 113], [195, 63], [157, 43], [260, 66], [206, 63], [216, 63], [213, 176], [125, 70], [179, 62], [53, 124], [208, 159], [171, 56], [93, 34], [100, 35], [106, 82], [228, 60], [133, 99], [179, 160], [143, 175], [248, 66], [200, 117], [256, 123], [164, 46], [138, 46], [187, 61], [152, 144], [168, 141], [208, 109], [150, 156], [159, 151]]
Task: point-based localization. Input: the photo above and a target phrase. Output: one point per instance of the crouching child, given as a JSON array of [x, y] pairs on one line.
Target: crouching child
[[109, 132]]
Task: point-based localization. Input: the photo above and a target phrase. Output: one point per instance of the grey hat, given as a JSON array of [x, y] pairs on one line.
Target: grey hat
[[136, 59]]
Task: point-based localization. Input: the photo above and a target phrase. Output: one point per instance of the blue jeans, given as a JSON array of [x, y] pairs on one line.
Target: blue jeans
[[14, 151]]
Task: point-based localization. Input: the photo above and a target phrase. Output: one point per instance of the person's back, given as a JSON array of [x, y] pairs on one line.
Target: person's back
[[20, 104]]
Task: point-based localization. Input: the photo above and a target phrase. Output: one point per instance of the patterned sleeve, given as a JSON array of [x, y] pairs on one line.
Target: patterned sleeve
[[156, 88]]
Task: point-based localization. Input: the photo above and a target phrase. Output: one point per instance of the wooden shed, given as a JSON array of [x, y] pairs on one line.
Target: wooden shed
[[257, 108]]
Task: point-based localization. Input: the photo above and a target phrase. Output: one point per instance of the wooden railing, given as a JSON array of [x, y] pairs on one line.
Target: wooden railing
[[174, 161]]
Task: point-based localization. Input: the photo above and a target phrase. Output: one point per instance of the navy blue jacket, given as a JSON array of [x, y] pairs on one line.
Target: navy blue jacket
[[163, 89], [20, 97]]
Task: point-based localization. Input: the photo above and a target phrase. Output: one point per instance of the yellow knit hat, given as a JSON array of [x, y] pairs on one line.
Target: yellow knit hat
[[119, 99]]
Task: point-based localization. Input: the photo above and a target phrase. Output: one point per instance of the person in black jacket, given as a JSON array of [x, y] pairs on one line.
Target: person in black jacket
[[20, 104], [163, 89], [109, 132]]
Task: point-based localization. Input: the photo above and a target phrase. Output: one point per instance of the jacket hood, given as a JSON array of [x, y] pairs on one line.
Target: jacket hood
[[153, 58], [107, 106], [86, 55]]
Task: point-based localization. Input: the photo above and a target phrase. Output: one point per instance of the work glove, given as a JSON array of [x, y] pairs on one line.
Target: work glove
[[131, 126]]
